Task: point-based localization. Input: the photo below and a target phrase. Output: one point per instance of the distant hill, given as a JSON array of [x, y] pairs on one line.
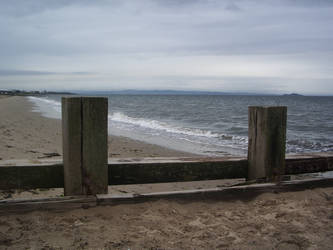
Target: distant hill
[[292, 94]]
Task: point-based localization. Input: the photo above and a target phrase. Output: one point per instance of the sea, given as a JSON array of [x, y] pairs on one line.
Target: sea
[[210, 125]]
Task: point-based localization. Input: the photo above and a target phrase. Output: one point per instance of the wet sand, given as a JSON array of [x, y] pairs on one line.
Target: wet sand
[[28, 135]]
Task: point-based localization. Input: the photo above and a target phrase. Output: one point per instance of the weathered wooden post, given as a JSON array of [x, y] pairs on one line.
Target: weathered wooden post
[[267, 142], [95, 145], [84, 125], [71, 144]]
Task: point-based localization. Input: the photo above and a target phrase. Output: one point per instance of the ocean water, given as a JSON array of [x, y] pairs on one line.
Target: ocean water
[[209, 125]]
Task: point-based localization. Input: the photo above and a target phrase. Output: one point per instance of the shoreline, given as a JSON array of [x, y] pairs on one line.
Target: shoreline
[[25, 134], [299, 219]]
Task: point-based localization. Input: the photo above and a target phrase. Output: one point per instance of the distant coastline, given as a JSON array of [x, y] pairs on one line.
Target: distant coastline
[[168, 92], [293, 94], [32, 93], [180, 93], [144, 92]]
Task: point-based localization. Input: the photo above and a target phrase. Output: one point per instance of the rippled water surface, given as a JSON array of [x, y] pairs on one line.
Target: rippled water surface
[[210, 125]]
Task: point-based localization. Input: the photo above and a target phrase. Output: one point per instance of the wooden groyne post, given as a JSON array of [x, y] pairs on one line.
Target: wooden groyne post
[[267, 142], [85, 153]]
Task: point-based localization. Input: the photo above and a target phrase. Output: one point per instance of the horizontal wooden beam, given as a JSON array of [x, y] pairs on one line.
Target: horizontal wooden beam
[[55, 204], [31, 176], [20, 174], [309, 163], [233, 192], [220, 193], [159, 172]]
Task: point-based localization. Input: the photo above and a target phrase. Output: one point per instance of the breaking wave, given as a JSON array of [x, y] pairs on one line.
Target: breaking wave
[[223, 137], [161, 126]]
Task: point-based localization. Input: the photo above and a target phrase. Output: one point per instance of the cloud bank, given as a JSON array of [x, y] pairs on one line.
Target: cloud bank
[[268, 46]]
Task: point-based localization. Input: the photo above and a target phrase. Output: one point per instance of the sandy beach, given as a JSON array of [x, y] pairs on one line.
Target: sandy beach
[[293, 220], [28, 135], [289, 220]]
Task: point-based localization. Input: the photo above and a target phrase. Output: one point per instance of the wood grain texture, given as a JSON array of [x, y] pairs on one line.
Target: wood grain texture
[[50, 174], [94, 145], [267, 142], [72, 140]]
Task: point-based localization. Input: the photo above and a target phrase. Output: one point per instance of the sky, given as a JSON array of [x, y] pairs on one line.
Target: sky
[[267, 46]]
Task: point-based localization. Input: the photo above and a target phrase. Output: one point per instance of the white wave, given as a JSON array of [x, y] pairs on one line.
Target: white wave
[[152, 131], [49, 101], [161, 126], [49, 108]]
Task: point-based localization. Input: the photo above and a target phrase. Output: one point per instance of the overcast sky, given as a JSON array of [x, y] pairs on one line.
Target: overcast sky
[[268, 46]]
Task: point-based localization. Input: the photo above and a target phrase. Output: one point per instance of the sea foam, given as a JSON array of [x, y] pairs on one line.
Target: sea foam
[[161, 126], [223, 129], [48, 107]]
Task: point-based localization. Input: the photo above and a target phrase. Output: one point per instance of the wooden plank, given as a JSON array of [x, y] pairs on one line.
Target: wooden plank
[[72, 141], [49, 173], [95, 145], [28, 177], [49, 204], [176, 171], [309, 165], [234, 192], [221, 193], [267, 142]]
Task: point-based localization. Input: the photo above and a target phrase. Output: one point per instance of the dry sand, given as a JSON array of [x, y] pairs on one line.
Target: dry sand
[[290, 220], [28, 135]]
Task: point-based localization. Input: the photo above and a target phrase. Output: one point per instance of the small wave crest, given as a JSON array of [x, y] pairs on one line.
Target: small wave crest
[[48, 107], [171, 135], [48, 101], [165, 127], [302, 145]]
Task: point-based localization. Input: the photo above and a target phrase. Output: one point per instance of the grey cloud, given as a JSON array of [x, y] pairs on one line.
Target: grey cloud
[[4, 72], [23, 73], [122, 36], [158, 30], [232, 7], [19, 8]]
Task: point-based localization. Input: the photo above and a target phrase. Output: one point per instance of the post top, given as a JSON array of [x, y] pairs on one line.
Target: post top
[[267, 107], [83, 97]]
